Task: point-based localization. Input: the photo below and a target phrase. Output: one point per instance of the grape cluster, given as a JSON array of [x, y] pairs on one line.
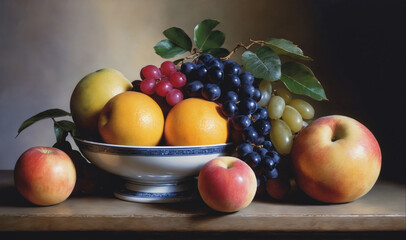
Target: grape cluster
[[165, 81], [287, 115], [224, 82]]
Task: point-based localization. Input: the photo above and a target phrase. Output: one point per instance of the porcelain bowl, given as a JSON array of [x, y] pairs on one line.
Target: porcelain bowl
[[152, 174]]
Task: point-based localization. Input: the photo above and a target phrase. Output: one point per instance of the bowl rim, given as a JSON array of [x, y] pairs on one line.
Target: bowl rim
[[149, 147]]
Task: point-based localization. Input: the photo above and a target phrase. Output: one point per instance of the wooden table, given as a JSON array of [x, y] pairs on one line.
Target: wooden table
[[380, 213]]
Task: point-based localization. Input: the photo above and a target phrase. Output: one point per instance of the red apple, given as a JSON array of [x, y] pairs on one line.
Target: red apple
[[44, 175], [280, 189], [336, 159], [227, 184]]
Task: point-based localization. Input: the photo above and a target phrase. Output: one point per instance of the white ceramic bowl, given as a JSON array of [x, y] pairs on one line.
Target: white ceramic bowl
[[152, 174]]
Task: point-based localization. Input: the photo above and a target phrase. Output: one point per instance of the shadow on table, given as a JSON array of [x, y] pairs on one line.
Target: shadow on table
[[11, 197]]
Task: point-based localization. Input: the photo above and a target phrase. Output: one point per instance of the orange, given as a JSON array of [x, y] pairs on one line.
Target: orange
[[195, 122], [131, 118]]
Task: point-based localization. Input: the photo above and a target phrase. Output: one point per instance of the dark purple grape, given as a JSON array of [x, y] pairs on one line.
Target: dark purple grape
[[204, 59], [247, 106], [262, 152], [231, 67], [268, 145], [243, 149], [274, 155], [249, 134], [268, 163], [200, 72], [246, 78], [229, 108], [263, 127], [215, 62], [215, 74], [231, 82], [252, 159], [187, 69], [257, 95], [241, 122], [230, 96], [246, 91], [211, 92], [193, 88], [272, 173], [260, 113]]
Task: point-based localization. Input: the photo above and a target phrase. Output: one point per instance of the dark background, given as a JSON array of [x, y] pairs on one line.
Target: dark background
[[362, 64]]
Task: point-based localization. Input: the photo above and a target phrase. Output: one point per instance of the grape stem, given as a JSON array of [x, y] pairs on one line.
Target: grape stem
[[193, 55], [241, 45]]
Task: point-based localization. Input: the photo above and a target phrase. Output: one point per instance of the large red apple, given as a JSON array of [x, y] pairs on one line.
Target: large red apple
[[336, 159], [227, 184], [44, 175]]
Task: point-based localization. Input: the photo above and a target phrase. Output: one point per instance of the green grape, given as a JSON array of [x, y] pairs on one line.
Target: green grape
[[281, 136], [275, 107], [284, 93], [265, 87], [265, 97], [303, 107], [292, 118]]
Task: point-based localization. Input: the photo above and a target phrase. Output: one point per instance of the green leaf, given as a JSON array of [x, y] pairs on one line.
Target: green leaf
[[202, 32], [299, 79], [62, 128], [168, 49], [215, 39], [263, 64], [286, 47], [60, 133], [179, 38], [50, 113], [217, 52], [67, 126]]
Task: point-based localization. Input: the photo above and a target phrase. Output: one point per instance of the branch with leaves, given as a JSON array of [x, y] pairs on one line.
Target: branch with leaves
[[61, 127], [264, 63]]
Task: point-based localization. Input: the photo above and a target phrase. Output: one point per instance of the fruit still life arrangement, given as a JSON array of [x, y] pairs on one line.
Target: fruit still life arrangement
[[262, 109]]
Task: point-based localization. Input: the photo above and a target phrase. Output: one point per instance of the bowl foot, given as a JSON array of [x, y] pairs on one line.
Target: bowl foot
[[134, 191]]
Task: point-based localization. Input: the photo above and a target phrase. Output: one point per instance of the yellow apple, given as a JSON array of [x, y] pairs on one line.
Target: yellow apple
[[91, 94]]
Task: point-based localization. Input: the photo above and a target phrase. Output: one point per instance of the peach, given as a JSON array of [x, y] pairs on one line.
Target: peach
[[336, 159]]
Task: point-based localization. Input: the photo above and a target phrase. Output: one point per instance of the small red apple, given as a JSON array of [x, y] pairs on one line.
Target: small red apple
[[227, 184], [280, 189], [44, 175], [336, 159]]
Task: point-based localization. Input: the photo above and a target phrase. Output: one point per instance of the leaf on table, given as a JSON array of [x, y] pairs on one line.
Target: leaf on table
[[263, 64], [299, 79]]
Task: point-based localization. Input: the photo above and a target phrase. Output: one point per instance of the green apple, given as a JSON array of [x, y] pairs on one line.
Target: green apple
[[91, 94]]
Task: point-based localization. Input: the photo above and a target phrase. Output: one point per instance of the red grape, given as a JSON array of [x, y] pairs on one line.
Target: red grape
[[150, 71], [177, 79], [167, 68], [163, 87], [174, 96], [147, 86]]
